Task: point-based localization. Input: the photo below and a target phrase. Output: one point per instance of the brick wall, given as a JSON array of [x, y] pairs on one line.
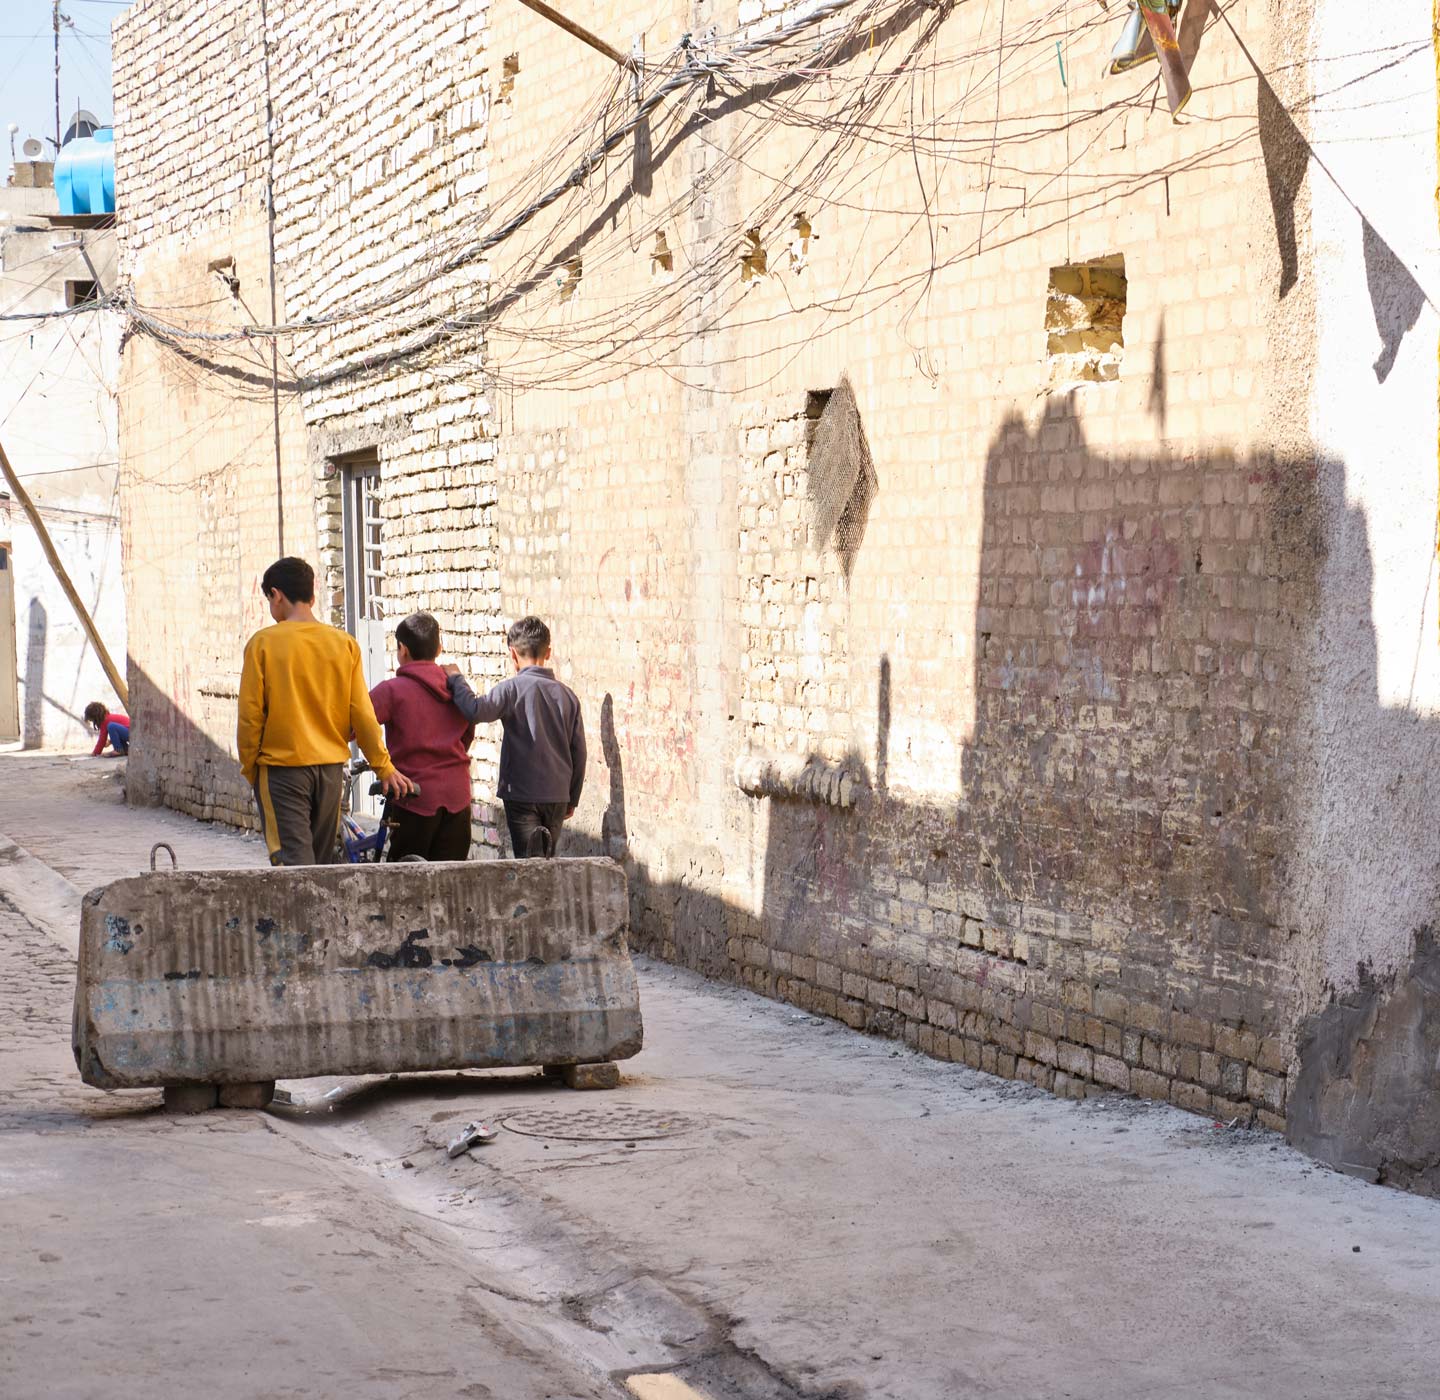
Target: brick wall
[[1008, 764], [981, 733], [379, 160]]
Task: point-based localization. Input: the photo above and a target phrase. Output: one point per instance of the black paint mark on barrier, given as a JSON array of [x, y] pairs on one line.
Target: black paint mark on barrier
[[409, 953], [192, 976], [118, 937], [265, 927]]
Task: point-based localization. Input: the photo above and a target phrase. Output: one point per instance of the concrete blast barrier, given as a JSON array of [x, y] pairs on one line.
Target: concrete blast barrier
[[244, 976]]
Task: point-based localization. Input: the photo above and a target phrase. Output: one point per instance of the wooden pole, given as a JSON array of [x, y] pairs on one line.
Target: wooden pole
[[584, 35], [48, 545]]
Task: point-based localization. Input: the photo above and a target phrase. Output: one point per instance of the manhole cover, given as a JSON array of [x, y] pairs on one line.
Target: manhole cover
[[619, 1124]]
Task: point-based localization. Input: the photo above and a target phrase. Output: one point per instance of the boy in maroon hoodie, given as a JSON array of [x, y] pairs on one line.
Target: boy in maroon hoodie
[[429, 741]]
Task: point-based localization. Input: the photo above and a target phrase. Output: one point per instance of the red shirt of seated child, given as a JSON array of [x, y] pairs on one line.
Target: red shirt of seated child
[[105, 732]]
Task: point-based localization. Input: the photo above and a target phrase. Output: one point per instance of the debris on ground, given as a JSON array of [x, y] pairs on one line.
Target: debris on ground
[[472, 1134]]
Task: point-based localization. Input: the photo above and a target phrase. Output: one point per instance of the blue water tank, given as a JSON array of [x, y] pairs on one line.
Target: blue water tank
[[85, 174]]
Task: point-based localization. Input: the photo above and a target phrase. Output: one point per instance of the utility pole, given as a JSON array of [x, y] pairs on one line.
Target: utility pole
[[274, 302], [56, 13], [48, 545]]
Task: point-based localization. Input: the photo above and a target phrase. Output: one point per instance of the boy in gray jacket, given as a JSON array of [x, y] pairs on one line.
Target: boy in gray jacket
[[542, 755]]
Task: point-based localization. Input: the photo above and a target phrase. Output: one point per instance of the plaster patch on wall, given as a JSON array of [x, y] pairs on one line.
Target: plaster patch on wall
[[1367, 1099]]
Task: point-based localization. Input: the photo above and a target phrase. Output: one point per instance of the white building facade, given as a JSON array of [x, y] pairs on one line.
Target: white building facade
[[58, 427]]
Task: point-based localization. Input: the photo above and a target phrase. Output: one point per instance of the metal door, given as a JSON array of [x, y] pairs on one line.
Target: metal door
[[9, 674], [364, 581]]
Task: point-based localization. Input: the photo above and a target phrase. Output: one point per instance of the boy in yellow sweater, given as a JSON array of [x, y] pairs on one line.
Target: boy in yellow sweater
[[302, 695]]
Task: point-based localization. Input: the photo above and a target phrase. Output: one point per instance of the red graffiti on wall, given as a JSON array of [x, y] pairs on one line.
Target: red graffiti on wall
[[1121, 572], [646, 602]]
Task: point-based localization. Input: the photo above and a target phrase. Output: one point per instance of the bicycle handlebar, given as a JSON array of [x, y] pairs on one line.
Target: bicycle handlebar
[[377, 788]]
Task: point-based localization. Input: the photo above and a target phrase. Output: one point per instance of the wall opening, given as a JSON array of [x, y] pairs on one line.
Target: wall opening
[[571, 272], [801, 233], [509, 70], [81, 293], [753, 262], [1085, 321], [224, 269]]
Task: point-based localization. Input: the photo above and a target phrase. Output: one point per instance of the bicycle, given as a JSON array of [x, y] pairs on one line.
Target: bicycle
[[358, 846]]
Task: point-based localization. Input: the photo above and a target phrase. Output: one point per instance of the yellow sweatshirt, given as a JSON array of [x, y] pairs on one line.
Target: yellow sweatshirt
[[302, 694]]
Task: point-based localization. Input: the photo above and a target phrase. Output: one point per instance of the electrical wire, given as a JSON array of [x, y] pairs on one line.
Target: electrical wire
[[848, 104]]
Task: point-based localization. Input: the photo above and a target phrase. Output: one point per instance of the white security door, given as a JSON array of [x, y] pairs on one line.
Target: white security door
[[9, 677], [364, 582]]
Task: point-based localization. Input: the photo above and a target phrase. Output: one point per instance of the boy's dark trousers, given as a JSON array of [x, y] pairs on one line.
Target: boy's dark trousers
[[440, 836], [300, 813], [535, 827]]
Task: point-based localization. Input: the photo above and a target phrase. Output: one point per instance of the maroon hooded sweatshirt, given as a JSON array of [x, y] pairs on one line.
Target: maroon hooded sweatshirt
[[428, 738]]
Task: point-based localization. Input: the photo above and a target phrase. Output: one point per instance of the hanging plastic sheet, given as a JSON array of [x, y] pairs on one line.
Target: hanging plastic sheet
[[1149, 34]]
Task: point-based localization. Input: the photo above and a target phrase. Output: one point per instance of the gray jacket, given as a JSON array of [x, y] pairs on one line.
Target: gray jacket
[[542, 756]]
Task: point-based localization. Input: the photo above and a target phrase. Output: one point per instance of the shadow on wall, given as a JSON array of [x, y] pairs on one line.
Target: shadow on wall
[[36, 701], [1287, 159], [614, 839], [1124, 786], [1110, 900], [1396, 298], [1159, 403], [174, 763]]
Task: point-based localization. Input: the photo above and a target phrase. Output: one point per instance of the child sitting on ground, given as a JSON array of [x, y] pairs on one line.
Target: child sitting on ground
[[112, 727], [429, 739], [542, 756]]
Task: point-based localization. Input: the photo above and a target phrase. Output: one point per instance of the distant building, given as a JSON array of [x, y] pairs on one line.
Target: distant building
[[58, 424]]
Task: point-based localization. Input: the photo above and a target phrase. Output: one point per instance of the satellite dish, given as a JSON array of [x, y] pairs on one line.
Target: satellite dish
[[32, 148], [82, 124]]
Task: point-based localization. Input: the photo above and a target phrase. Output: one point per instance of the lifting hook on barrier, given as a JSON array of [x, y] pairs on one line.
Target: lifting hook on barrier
[[169, 851]]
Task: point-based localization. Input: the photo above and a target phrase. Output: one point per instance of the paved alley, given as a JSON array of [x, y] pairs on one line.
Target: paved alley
[[929, 508], [772, 1206]]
